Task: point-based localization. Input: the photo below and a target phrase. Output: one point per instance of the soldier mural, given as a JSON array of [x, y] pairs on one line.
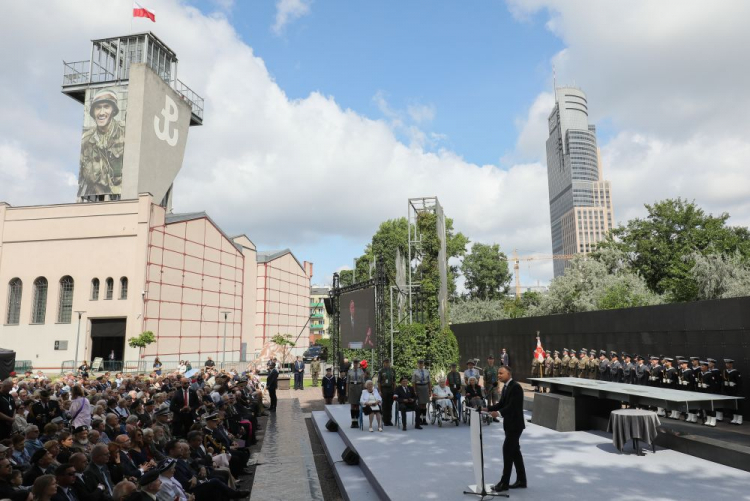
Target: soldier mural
[[103, 142]]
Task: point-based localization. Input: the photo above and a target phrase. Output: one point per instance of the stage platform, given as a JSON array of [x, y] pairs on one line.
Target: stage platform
[[435, 463], [638, 395]]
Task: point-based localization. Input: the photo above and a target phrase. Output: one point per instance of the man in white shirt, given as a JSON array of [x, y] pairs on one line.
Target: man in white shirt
[[470, 372]]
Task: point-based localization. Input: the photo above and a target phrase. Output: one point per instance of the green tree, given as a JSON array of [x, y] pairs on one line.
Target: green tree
[[283, 341], [411, 344], [144, 339], [486, 272], [587, 285], [721, 275], [468, 310], [661, 247]]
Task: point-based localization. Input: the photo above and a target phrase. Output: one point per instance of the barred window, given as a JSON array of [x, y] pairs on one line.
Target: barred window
[[123, 287], [39, 304], [15, 289], [95, 289], [65, 306], [110, 284]]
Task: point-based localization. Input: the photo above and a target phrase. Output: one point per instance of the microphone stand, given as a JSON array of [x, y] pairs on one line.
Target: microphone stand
[[483, 493]]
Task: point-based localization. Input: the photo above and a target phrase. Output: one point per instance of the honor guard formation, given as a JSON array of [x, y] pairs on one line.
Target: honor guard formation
[[677, 373]]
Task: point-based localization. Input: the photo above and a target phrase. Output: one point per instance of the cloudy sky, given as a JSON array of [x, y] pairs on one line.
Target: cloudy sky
[[322, 118]]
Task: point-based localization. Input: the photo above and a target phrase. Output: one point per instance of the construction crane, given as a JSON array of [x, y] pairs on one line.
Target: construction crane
[[517, 260]]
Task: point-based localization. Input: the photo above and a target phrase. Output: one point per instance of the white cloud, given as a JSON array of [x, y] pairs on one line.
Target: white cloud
[[421, 112], [288, 11]]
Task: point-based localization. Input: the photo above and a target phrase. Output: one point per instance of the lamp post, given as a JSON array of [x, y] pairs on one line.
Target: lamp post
[[78, 337], [224, 353]]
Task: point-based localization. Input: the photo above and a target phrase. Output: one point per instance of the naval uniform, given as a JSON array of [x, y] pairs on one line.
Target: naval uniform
[[642, 373], [654, 379], [732, 381], [341, 383], [329, 388]]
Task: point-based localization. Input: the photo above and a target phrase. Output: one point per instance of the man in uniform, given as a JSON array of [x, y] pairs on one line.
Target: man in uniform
[[421, 380], [341, 385], [583, 364], [615, 368], [548, 365], [315, 371], [556, 365], [593, 369], [355, 384], [470, 372], [627, 369], [536, 370], [732, 379], [695, 367], [454, 383], [642, 372], [656, 373], [718, 384], [705, 384], [687, 383], [603, 366], [102, 147], [565, 364], [386, 387], [329, 386], [490, 381]]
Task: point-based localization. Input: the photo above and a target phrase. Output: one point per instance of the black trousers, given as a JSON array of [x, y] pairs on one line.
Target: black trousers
[[272, 395], [212, 489], [387, 406], [512, 457]]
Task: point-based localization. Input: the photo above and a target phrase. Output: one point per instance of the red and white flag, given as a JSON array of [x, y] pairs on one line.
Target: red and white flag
[[141, 11], [539, 352]]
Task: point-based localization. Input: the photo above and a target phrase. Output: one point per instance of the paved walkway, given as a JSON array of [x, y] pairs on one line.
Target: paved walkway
[[286, 467]]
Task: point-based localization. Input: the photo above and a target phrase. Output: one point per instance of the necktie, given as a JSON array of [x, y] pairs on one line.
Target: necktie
[[105, 474], [71, 495], [505, 389], [186, 398], [422, 377]]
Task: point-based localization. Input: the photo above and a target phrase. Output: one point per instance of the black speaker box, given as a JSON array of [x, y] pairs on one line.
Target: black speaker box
[[350, 457], [332, 425]]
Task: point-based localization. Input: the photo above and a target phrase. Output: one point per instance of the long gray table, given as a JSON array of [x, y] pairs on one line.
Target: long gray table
[[677, 400]]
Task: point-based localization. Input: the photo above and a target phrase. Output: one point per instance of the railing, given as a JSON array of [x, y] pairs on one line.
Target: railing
[[68, 366], [193, 99], [75, 73], [23, 366], [316, 305], [316, 315]]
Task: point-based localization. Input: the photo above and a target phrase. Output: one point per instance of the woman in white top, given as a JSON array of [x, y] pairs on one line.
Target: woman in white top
[[371, 402], [80, 408], [443, 397]]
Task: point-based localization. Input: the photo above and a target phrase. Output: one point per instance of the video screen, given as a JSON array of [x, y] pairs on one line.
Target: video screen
[[358, 319]]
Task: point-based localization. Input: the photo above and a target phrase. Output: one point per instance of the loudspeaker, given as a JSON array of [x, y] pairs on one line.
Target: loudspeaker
[[328, 302], [350, 457], [332, 425]]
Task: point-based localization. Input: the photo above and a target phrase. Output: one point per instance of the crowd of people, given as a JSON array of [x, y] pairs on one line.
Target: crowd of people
[[158, 436], [677, 373]]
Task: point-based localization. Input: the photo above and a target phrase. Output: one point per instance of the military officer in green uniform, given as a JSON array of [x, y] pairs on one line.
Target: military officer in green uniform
[[573, 364], [556, 365], [490, 381], [420, 378], [565, 363], [315, 371], [386, 387], [583, 364], [593, 368], [102, 147]]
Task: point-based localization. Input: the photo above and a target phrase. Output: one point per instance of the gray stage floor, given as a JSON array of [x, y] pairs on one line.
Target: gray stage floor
[[435, 463]]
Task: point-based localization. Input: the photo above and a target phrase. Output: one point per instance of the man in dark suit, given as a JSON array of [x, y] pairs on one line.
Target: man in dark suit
[[299, 373], [510, 407], [97, 475], [40, 465], [271, 384], [504, 358], [79, 462], [65, 474], [356, 326], [183, 407], [45, 410], [407, 401]]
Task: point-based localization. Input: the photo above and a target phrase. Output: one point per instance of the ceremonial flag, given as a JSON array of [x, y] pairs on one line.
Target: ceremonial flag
[[140, 11], [539, 353]]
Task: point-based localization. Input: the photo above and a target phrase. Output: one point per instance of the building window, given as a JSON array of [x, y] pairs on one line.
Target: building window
[[110, 284], [65, 307], [39, 305], [95, 289], [15, 289], [124, 288]]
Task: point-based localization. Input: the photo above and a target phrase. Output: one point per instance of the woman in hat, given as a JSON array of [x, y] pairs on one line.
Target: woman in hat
[[371, 403]]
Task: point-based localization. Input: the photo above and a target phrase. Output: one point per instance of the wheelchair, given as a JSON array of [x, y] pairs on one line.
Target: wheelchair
[[437, 413], [466, 411]]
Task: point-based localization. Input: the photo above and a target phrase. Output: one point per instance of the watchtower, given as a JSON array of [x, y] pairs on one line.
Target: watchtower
[[136, 118]]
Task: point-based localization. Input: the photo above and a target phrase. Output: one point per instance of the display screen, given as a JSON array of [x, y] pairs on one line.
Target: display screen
[[358, 319]]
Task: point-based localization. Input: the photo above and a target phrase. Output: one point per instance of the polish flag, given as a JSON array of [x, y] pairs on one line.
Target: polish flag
[[539, 353], [141, 11]]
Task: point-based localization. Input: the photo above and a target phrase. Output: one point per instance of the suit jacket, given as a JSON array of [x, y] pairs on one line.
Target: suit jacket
[[129, 468], [84, 494], [178, 401], [42, 417], [92, 477], [32, 474], [504, 359], [405, 393], [511, 408], [7, 492], [183, 473], [273, 379]]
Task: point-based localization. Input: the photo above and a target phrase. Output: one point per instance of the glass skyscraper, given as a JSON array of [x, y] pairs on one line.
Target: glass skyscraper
[[580, 202]]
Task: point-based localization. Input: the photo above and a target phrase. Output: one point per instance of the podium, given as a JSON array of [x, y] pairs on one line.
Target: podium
[[479, 487]]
